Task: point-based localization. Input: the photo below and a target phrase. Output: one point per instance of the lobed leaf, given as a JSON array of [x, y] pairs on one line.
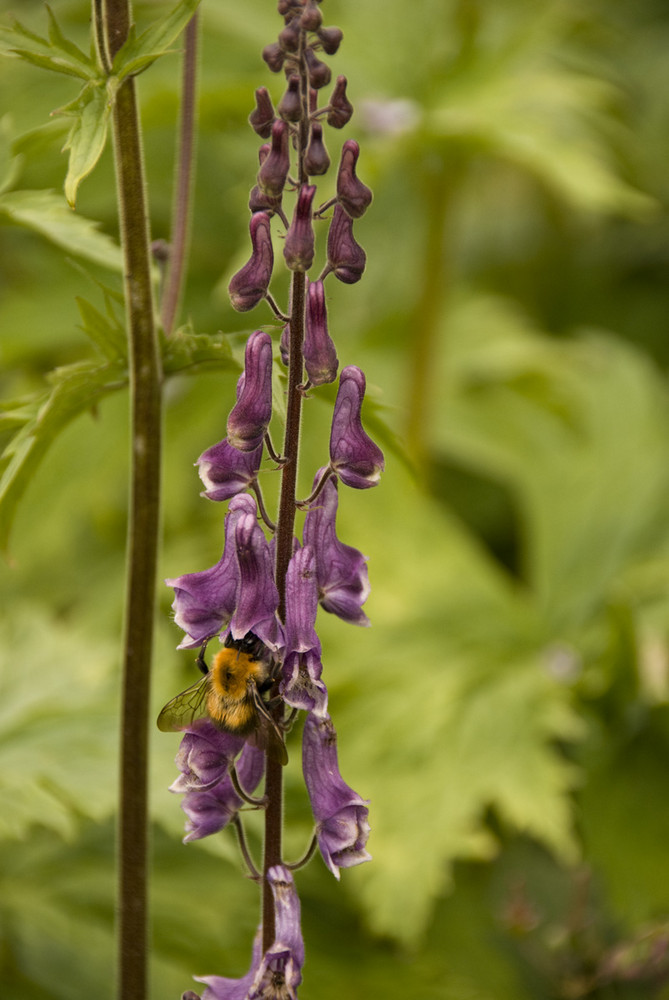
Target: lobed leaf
[[139, 52]]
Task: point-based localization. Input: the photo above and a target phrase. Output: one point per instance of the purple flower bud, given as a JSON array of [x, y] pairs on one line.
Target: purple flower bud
[[211, 809], [274, 56], [330, 39], [301, 686], [249, 285], [353, 455], [261, 118], [289, 38], [204, 602], [276, 974], [316, 160], [353, 195], [284, 345], [274, 169], [345, 257], [341, 570], [320, 354], [312, 18], [298, 248], [251, 414], [341, 108], [319, 73], [226, 471], [257, 596], [204, 757], [341, 815], [290, 105]]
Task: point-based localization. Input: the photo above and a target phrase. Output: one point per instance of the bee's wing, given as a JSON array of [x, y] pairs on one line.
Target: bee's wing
[[185, 708], [268, 735]]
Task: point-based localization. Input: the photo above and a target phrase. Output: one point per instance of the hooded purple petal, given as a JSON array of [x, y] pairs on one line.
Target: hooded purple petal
[[298, 248], [341, 570], [249, 285], [320, 354], [353, 455], [204, 602], [204, 757], [251, 414], [354, 196], [345, 256], [341, 815], [226, 471], [280, 971], [211, 809], [301, 686], [258, 598], [274, 168]]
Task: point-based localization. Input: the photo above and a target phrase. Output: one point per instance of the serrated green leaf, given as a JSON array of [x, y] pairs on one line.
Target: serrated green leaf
[[186, 351], [107, 334], [75, 389], [55, 53], [87, 137], [138, 52], [47, 213]]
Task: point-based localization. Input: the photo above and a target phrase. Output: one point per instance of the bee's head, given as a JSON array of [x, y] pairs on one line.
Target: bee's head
[[249, 644]]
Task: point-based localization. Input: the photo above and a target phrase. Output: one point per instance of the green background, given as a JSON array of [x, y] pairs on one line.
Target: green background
[[506, 714]]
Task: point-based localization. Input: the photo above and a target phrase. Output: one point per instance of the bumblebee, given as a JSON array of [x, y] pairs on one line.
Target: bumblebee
[[230, 694]]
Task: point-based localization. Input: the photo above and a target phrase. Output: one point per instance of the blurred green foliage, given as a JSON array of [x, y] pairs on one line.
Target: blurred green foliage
[[507, 712]]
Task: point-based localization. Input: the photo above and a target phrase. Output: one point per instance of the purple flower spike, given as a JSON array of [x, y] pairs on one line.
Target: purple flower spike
[[345, 257], [204, 757], [249, 286], [251, 414], [353, 455], [301, 686], [354, 196], [210, 809], [298, 248], [341, 815], [257, 597], [341, 570], [274, 168], [204, 602], [226, 471], [320, 354]]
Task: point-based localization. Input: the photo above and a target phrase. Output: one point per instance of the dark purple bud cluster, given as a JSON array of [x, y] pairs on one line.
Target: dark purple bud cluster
[[269, 582]]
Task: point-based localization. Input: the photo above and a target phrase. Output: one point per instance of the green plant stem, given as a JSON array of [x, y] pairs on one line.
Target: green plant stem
[[143, 525], [176, 267]]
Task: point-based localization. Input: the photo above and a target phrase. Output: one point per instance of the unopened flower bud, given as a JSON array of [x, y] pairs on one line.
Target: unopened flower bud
[[274, 169], [298, 248], [251, 414], [290, 105], [353, 195], [316, 161], [249, 285], [353, 455], [330, 39], [345, 257], [289, 38], [341, 108], [319, 72], [274, 56], [320, 354], [312, 18], [261, 118], [286, 7]]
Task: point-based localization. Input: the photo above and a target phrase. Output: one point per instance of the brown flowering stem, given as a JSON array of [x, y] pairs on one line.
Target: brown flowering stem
[[143, 524], [176, 265]]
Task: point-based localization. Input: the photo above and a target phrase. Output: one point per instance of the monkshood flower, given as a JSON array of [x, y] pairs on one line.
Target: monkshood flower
[[274, 168], [320, 353], [251, 414], [204, 757], [341, 815], [257, 596], [341, 570], [298, 249], [340, 107], [346, 258], [249, 285], [276, 974], [210, 809], [354, 196], [301, 686], [353, 455], [204, 602], [226, 471]]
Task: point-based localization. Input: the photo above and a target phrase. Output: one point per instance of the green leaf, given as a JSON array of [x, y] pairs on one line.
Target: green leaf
[[106, 332], [88, 135], [74, 389], [185, 351], [137, 53], [47, 213], [55, 53]]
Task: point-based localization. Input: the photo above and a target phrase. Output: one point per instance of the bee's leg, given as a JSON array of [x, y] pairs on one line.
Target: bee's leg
[[283, 724], [200, 658]]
